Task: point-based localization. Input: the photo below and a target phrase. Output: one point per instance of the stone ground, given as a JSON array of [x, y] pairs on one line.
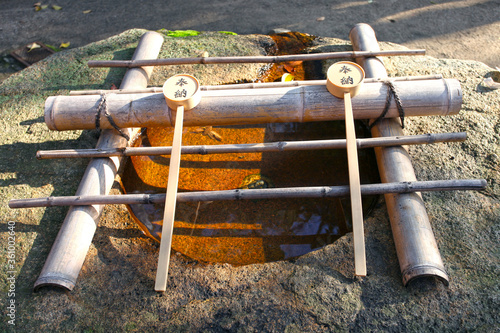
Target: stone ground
[[466, 29], [314, 293]]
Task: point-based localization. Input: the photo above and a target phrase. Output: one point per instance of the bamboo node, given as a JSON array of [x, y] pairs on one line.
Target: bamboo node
[[409, 186], [430, 138], [203, 150]]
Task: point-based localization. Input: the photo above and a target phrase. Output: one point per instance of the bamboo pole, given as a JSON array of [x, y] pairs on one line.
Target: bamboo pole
[[253, 194], [256, 147], [416, 246], [254, 106], [70, 248], [250, 85], [251, 59]]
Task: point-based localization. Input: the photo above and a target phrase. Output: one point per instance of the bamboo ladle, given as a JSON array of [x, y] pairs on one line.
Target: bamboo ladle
[[344, 80], [182, 92]]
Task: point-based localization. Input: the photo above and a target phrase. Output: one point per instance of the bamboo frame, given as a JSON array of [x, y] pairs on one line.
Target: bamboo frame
[[256, 147], [251, 59], [409, 269], [253, 194]]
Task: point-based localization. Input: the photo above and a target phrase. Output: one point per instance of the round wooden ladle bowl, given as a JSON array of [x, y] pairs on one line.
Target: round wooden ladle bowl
[[344, 77], [182, 90]]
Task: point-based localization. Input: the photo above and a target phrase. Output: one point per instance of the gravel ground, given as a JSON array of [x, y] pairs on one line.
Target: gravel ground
[[467, 29]]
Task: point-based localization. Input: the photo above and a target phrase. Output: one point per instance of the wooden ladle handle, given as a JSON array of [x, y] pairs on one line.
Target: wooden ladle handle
[[355, 189], [344, 80], [181, 92]]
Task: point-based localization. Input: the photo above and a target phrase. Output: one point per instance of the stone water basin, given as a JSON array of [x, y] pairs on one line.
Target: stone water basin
[[252, 231], [249, 231]]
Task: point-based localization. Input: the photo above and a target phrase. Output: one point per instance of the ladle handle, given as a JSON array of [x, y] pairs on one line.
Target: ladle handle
[[355, 189], [170, 202]]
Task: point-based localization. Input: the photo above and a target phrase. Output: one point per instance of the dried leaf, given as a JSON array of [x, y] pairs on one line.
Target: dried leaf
[[291, 66], [288, 68], [207, 130], [113, 87], [64, 45], [38, 6], [87, 11], [56, 7], [215, 136], [33, 46], [198, 130]]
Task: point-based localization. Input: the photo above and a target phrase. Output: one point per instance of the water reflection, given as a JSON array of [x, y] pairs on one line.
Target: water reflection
[[252, 231]]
